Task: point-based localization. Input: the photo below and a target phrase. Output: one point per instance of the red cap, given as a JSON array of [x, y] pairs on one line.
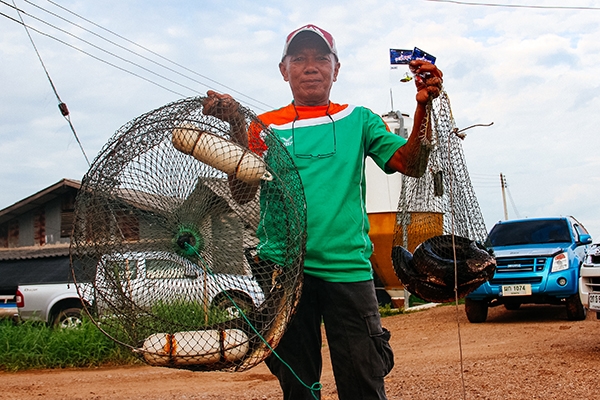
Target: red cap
[[323, 34]]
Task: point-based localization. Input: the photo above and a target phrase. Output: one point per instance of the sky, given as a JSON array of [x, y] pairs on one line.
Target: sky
[[532, 71]]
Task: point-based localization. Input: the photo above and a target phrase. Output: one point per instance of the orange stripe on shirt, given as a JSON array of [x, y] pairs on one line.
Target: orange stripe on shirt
[[286, 115]]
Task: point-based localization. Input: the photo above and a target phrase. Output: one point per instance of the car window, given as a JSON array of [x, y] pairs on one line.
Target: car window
[[530, 232], [123, 269], [580, 230], [164, 269]]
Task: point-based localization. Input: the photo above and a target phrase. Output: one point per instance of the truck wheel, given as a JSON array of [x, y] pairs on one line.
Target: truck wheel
[[242, 302], [477, 310], [575, 309], [68, 318]]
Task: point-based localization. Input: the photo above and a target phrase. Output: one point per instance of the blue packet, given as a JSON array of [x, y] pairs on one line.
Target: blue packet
[[418, 54]]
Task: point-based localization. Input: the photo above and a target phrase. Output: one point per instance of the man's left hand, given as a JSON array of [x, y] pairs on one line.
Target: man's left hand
[[428, 79]]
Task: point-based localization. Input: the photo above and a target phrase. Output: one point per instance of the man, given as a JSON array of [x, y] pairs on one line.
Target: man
[[329, 143]]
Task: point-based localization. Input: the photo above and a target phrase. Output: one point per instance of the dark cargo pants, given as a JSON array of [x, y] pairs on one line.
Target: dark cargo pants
[[359, 347]]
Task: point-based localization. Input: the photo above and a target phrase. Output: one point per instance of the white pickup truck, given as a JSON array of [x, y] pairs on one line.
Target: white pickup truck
[[57, 304], [589, 280], [8, 306]]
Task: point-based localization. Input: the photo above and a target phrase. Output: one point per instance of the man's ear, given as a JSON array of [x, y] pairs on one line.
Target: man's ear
[[336, 70], [284, 71]]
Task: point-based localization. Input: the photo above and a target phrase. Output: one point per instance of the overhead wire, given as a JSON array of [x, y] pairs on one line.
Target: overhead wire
[[104, 50], [141, 47], [250, 101], [153, 53], [512, 202], [91, 55], [504, 5], [484, 181], [61, 105]]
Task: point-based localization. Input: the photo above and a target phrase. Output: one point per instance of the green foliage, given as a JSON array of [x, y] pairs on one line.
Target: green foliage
[[34, 346], [187, 314], [387, 311], [414, 301], [134, 326], [460, 301]]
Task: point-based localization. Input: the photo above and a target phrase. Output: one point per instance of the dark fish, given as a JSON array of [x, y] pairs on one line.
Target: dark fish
[[429, 273]]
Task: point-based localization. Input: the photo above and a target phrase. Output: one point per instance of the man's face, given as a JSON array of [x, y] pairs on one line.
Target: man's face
[[310, 73]]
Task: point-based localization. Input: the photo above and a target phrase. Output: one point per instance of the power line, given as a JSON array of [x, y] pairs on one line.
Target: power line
[[484, 180], [512, 202], [464, 3], [91, 55], [109, 41], [156, 54], [117, 56], [103, 50], [61, 105]]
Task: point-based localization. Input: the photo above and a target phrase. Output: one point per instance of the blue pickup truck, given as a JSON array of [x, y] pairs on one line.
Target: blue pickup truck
[[537, 261]]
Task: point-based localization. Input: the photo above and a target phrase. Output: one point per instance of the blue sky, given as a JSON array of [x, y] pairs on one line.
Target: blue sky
[[533, 72]]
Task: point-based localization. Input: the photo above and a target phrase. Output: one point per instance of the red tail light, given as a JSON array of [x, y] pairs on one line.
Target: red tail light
[[20, 299]]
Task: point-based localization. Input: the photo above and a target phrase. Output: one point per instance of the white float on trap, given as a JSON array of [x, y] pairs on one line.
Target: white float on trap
[[220, 153], [195, 347]]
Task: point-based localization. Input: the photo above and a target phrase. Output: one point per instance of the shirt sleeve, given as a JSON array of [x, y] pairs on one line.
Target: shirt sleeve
[[381, 144], [255, 141]]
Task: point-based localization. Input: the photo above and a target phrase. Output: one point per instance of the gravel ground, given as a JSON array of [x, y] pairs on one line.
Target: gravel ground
[[531, 353]]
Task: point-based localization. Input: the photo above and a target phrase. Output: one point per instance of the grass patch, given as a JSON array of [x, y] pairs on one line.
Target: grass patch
[[134, 326], [414, 301], [33, 345], [387, 311], [186, 314]]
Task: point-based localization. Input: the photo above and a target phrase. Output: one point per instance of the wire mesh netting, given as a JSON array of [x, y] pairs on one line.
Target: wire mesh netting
[[189, 239], [439, 220]]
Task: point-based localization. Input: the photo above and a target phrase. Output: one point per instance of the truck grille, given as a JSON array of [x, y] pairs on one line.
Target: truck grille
[[513, 281], [520, 264], [594, 284]]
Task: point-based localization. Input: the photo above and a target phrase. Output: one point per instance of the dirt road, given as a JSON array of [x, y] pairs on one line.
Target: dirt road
[[532, 353]]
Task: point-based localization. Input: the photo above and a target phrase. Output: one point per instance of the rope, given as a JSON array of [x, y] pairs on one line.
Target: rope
[[315, 387], [61, 105], [451, 196], [461, 135]]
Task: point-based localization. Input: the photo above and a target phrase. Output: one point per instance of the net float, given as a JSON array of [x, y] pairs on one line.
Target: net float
[[220, 153], [195, 347]]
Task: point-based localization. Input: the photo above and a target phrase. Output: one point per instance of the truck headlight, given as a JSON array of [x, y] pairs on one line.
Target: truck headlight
[[560, 263]]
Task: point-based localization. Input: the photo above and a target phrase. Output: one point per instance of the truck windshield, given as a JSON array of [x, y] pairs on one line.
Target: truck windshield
[[529, 232]]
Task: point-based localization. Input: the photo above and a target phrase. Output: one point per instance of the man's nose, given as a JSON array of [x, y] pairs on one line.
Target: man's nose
[[311, 65]]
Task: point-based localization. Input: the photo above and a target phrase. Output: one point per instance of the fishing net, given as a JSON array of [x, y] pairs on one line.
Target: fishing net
[[437, 240], [188, 267]]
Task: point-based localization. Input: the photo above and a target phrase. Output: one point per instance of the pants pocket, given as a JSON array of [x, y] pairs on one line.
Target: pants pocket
[[381, 340]]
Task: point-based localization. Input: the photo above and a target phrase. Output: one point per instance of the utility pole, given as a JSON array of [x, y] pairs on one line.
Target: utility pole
[[503, 186]]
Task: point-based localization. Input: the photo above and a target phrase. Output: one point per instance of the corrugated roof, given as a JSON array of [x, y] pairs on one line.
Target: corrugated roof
[[31, 252]]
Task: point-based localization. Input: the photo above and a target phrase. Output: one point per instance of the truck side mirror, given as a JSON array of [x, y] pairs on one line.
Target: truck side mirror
[[585, 238]]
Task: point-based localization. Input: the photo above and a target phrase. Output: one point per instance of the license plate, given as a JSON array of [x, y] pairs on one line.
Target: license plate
[[516, 290], [594, 301]]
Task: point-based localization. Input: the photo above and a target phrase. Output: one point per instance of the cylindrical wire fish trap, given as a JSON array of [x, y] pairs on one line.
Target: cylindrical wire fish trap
[[439, 232], [177, 261]]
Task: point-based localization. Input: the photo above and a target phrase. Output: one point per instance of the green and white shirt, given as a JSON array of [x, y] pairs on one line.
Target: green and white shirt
[[329, 145]]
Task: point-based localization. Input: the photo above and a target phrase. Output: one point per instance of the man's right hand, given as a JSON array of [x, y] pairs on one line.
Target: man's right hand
[[221, 106], [224, 107]]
